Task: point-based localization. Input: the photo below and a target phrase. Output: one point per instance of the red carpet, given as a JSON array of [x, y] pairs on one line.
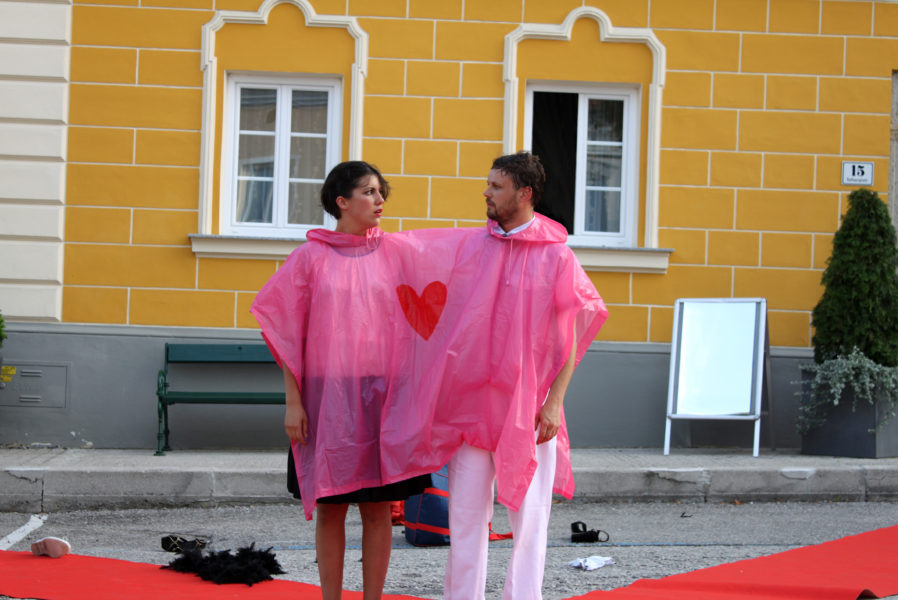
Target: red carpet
[[73, 577], [864, 565]]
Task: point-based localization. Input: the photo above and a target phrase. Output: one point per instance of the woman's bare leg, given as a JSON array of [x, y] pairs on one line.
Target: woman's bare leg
[[377, 540], [330, 546]]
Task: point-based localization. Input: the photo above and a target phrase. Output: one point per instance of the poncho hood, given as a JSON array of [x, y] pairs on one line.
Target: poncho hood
[[542, 230], [345, 240]]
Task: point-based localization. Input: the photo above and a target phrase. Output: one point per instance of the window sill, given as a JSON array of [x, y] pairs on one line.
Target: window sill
[[628, 260], [227, 246], [631, 260]]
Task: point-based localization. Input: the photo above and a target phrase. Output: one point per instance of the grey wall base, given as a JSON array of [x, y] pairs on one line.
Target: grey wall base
[[618, 397]]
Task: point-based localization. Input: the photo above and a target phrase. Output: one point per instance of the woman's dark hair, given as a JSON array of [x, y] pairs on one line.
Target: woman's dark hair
[[525, 170], [343, 179]]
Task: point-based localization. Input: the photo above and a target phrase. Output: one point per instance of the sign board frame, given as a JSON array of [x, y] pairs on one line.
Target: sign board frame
[[719, 363]]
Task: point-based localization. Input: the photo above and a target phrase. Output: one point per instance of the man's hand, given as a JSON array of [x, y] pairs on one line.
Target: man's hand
[[548, 420]]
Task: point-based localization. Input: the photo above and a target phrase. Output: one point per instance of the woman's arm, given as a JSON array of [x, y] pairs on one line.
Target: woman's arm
[[296, 421]]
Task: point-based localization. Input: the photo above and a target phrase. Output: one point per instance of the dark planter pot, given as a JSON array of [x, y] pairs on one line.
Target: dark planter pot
[[848, 433]]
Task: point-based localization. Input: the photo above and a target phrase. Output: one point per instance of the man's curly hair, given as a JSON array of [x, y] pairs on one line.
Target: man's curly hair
[[525, 170]]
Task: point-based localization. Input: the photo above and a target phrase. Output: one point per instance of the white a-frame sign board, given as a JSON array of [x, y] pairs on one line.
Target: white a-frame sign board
[[719, 362]]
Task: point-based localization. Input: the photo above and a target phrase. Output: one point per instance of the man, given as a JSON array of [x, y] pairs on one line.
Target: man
[[544, 313]]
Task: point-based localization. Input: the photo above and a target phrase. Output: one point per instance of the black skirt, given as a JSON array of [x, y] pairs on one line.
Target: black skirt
[[391, 492]]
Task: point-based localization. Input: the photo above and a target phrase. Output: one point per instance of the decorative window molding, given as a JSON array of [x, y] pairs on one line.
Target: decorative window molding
[[607, 33], [211, 110]]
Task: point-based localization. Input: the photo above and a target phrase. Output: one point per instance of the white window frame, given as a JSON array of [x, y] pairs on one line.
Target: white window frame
[[630, 95], [284, 85]]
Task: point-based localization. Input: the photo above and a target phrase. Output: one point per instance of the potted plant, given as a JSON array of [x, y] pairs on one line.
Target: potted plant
[[850, 391]]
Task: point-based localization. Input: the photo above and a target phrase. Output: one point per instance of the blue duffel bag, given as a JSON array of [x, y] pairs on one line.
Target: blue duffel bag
[[427, 514]]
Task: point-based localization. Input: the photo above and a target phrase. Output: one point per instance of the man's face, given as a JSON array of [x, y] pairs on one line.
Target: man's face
[[503, 202]]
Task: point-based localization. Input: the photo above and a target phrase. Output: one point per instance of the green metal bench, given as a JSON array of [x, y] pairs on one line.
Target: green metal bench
[[208, 354]]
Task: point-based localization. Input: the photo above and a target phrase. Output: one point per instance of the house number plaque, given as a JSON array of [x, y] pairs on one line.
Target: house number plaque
[[857, 173]]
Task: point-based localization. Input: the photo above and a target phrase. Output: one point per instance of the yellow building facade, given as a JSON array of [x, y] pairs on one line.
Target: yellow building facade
[[730, 124]]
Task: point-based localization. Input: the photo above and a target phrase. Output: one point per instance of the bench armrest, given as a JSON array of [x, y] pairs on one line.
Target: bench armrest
[[161, 382]]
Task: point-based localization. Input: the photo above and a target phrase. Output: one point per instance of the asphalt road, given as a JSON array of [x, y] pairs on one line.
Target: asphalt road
[[647, 540]]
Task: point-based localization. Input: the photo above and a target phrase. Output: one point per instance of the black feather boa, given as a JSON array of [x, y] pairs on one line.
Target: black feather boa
[[248, 566]]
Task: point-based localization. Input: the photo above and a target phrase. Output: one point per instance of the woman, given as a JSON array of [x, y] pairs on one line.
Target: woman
[[328, 316]]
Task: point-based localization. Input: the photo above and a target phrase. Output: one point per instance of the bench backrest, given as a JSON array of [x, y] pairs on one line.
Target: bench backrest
[[217, 353]]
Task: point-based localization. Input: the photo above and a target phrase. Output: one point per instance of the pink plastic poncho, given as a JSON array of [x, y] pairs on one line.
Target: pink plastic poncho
[[407, 345], [513, 304], [330, 315]]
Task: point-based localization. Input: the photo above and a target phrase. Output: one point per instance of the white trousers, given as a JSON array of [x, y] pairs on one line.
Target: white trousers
[[472, 475]]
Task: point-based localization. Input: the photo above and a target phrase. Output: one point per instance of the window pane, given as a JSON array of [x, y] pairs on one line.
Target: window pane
[[308, 158], [305, 204], [603, 165], [309, 113], [555, 142], [258, 109], [606, 120], [254, 196], [253, 201], [255, 156], [602, 211]]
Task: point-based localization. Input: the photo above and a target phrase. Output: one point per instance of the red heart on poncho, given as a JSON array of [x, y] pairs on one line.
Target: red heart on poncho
[[423, 312]]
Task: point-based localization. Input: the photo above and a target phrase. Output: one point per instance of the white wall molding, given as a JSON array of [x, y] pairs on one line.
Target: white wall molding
[[34, 61], [34, 101], [34, 108], [24, 141], [31, 222], [37, 21], [31, 302], [30, 262], [27, 181]]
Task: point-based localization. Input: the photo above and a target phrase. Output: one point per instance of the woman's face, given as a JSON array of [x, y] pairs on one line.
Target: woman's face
[[363, 209]]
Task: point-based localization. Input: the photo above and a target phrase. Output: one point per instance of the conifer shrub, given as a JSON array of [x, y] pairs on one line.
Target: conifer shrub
[[859, 307]]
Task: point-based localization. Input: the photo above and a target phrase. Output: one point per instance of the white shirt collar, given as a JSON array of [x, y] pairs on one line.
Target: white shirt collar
[[498, 229]]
